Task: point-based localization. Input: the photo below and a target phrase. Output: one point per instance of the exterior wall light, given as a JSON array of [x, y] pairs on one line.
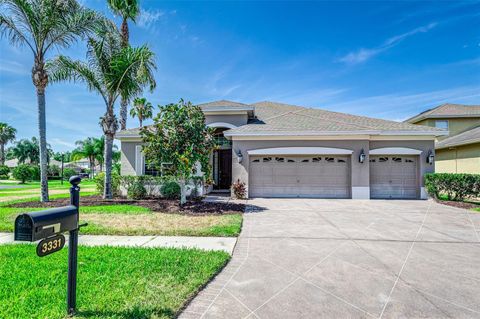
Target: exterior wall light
[[430, 158], [361, 157], [239, 156]]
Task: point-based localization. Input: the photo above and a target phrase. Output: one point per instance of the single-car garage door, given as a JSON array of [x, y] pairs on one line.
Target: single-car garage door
[[394, 176], [300, 176]]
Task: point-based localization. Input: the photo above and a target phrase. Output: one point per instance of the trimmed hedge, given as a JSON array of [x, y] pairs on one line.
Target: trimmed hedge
[[453, 186]]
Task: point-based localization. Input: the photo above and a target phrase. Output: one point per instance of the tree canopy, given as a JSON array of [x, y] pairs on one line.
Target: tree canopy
[[179, 138]]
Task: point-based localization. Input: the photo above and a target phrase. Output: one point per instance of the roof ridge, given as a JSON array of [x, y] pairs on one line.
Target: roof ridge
[[282, 114]]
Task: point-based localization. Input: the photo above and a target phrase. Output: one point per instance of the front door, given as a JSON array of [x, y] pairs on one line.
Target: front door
[[224, 169]]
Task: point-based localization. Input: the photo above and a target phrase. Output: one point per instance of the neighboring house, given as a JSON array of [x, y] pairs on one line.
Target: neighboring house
[[459, 151], [282, 150]]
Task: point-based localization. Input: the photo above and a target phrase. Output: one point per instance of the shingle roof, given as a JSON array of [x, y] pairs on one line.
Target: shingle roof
[[285, 119], [223, 103], [467, 137], [278, 118], [447, 110]]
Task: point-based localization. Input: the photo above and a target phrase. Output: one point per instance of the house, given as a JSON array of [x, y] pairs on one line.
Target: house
[[282, 150], [459, 151]]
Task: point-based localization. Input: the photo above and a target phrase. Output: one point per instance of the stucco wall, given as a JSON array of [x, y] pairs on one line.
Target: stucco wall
[[235, 119], [455, 125], [127, 158], [462, 159]]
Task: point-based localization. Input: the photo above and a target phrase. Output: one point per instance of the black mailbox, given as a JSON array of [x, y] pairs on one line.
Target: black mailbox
[[42, 224]]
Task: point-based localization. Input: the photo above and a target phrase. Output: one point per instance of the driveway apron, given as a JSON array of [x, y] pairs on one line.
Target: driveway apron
[[314, 258]]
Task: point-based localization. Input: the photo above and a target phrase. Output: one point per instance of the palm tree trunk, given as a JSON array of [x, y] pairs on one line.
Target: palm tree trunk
[[107, 191], [109, 126], [141, 122], [2, 154], [123, 103], [123, 114], [43, 144]]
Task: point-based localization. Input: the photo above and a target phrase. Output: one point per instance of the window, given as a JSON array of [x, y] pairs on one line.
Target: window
[[383, 159], [372, 160], [151, 170], [256, 161], [442, 124], [267, 159], [407, 160], [316, 159], [329, 159], [306, 161], [397, 159], [290, 161], [280, 159], [340, 161]]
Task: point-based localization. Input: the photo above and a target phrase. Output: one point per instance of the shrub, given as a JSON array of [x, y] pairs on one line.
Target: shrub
[[22, 173], [453, 186], [53, 170], [4, 170], [35, 169], [100, 182], [137, 190], [171, 190], [239, 189], [69, 172]]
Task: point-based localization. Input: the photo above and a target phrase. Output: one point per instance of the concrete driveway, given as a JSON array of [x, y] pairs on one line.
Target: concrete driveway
[[312, 258]]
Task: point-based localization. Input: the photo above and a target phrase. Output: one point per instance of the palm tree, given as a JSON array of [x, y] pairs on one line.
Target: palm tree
[[7, 134], [128, 10], [29, 149], [87, 148], [43, 25], [112, 72], [141, 109]]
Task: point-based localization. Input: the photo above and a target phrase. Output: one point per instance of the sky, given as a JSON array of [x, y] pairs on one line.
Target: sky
[[389, 60]]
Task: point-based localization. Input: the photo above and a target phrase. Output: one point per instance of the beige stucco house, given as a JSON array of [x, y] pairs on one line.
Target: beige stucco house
[[459, 151], [282, 150]]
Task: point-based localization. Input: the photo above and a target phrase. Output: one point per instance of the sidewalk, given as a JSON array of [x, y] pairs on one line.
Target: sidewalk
[[206, 243]]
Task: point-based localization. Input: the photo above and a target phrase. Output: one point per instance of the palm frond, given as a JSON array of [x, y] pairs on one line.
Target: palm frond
[[63, 68], [128, 9]]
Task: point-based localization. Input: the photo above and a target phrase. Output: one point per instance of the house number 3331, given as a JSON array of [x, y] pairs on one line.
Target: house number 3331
[[50, 245]]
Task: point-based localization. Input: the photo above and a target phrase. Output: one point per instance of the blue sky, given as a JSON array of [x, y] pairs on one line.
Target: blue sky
[[381, 59]]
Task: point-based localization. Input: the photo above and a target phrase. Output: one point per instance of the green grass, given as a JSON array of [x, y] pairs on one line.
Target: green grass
[[36, 198], [51, 184], [113, 282], [137, 220], [476, 209]]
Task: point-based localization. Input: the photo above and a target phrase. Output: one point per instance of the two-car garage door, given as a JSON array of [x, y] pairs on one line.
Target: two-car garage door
[[325, 176]]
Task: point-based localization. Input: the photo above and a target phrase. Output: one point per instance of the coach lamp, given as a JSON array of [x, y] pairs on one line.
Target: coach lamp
[[430, 158], [361, 157]]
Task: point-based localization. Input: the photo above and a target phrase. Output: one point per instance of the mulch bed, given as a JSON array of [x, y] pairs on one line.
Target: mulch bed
[[465, 205], [156, 205]]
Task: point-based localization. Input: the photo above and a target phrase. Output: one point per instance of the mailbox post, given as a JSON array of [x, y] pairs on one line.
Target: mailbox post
[[48, 226], [73, 248]]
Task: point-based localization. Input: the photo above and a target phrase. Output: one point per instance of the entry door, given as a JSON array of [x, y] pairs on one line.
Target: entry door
[[394, 176], [224, 169], [296, 176]]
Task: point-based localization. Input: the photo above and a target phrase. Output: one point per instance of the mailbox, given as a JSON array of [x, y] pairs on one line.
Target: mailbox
[[42, 224]]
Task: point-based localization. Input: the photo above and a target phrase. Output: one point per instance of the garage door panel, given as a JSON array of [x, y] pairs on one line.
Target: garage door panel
[[393, 177], [300, 177]]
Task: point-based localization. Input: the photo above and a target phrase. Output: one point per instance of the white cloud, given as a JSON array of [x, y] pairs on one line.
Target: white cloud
[[363, 54], [400, 106], [59, 142], [13, 67], [149, 17]]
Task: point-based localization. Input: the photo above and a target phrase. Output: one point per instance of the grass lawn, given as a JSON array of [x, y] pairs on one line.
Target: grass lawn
[[30, 191], [137, 220], [113, 282]]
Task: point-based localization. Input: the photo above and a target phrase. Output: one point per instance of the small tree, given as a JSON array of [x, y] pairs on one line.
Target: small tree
[[22, 172], [7, 134], [141, 109], [180, 138]]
